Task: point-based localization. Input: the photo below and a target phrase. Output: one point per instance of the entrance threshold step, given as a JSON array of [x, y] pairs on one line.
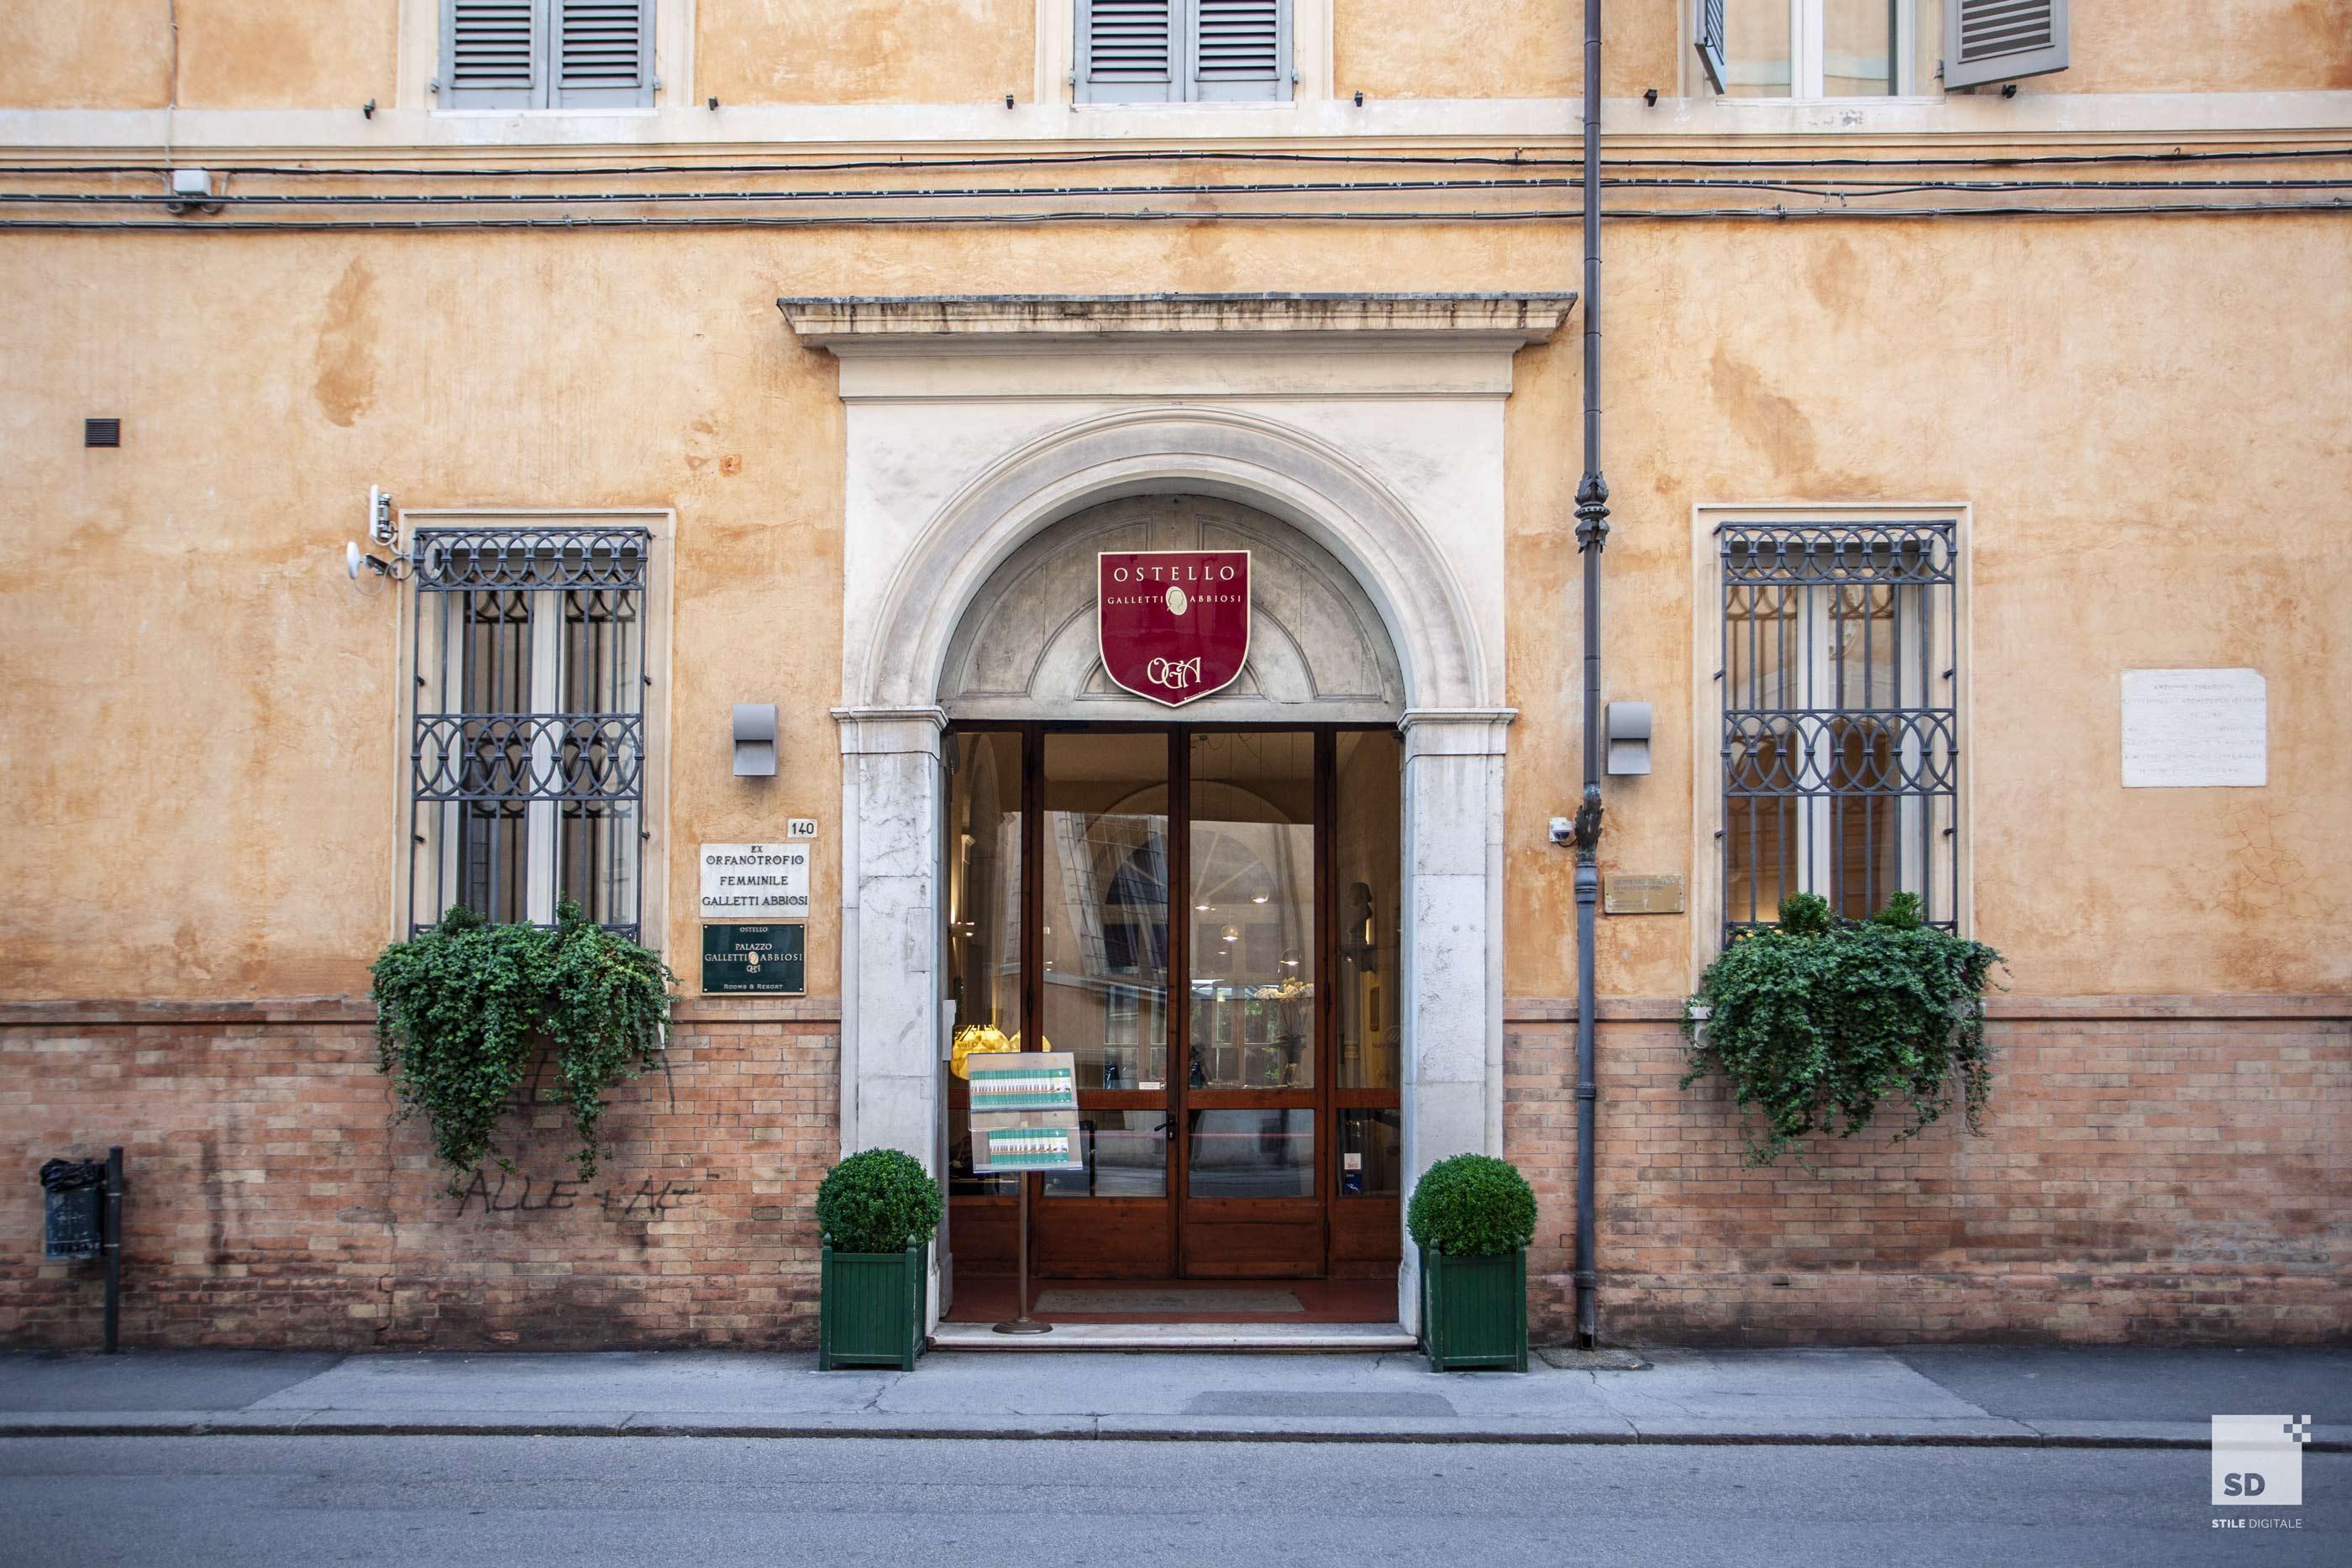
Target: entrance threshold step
[[1179, 1336]]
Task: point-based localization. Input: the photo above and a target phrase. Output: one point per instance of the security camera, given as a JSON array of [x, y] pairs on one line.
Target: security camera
[[355, 558], [1563, 832]]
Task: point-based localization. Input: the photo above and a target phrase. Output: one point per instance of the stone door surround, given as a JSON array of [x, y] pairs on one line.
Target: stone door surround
[[1370, 423]]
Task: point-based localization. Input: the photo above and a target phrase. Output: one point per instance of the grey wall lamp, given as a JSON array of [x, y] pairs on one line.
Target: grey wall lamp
[[1629, 737], [755, 740]]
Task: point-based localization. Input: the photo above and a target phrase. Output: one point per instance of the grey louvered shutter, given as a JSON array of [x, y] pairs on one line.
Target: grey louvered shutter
[[1707, 31], [604, 54], [1128, 52], [1240, 49], [491, 54], [2000, 40]]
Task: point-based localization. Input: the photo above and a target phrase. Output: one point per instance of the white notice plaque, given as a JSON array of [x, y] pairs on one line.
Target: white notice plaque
[[755, 882], [2195, 729]]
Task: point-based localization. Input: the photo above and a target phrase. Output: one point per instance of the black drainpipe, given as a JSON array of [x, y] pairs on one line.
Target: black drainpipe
[[1591, 535]]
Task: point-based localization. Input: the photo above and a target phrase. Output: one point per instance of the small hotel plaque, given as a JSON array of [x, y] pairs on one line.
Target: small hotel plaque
[[1641, 895], [755, 960]]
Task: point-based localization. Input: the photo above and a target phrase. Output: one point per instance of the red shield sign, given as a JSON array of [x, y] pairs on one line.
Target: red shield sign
[[1174, 624]]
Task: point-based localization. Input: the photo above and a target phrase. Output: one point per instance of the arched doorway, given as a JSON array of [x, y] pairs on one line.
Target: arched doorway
[[1205, 913], [924, 545]]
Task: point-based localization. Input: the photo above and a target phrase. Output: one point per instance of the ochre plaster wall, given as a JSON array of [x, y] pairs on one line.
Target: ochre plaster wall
[[273, 54], [91, 54], [865, 51], [2124, 403], [2205, 45], [267, 53], [213, 800], [219, 704], [1398, 48]]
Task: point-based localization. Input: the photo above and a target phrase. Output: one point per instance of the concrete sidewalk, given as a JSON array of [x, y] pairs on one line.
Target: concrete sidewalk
[[2032, 1396]]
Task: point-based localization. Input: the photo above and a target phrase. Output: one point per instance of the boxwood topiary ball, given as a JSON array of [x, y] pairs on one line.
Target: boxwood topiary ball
[[881, 1200], [1472, 1206]]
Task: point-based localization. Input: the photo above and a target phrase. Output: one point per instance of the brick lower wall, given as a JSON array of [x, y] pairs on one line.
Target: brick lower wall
[[2150, 1172], [2147, 1173], [271, 1202]]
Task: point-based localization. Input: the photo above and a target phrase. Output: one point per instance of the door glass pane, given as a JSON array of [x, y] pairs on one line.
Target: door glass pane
[[1252, 915], [1252, 1154], [1104, 874], [1857, 47], [1756, 48], [1371, 1147], [1369, 873], [983, 968], [1126, 1156]]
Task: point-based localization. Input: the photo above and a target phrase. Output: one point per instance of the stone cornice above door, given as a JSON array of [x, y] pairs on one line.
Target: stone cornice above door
[[994, 323]]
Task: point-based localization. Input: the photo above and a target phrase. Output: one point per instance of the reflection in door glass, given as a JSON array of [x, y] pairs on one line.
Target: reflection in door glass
[[1253, 916], [1126, 1153], [983, 968], [1367, 868], [1252, 1154], [1104, 877], [1371, 1150]]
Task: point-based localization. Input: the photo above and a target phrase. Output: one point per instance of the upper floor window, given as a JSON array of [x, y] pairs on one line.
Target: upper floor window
[[1874, 49], [1181, 52], [1820, 48], [546, 54]]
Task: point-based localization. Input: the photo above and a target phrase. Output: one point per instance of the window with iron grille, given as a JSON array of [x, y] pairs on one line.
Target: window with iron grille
[[1840, 733], [527, 757]]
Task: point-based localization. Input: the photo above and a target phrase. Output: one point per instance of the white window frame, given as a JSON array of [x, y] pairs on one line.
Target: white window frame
[[1057, 62], [1807, 28], [653, 878], [1707, 815]]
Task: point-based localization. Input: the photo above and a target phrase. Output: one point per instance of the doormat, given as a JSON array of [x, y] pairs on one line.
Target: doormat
[[1198, 1302]]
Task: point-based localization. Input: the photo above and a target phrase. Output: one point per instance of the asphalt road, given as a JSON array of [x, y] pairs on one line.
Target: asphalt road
[[511, 1501]]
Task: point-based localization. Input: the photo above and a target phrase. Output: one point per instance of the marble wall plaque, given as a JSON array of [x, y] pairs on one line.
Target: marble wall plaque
[[2192, 729], [755, 882]]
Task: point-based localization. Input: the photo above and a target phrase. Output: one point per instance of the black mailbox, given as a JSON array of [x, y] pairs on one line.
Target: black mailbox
[[75, 1210]]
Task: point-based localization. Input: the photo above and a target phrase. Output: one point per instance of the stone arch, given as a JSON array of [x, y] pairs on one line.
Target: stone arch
[[1026, 647], [1293, 476]]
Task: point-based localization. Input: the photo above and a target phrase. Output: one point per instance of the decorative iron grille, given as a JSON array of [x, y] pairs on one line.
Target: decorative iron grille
[[527, 759], [1841, 731]]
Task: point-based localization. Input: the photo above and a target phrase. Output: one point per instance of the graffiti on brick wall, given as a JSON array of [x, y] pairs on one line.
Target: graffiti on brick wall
[[514, 1192]]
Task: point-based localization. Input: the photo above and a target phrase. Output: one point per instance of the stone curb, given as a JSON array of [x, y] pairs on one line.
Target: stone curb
[[1124, 1428]]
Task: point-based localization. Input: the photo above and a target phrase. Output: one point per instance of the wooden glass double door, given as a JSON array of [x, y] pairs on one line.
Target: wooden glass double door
[[1206, 919]]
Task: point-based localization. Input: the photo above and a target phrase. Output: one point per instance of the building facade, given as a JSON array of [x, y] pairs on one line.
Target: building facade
[[1974, 399]]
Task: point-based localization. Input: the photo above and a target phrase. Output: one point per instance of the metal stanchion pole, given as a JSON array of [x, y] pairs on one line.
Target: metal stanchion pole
[[1022, 1321], [113, 1246]]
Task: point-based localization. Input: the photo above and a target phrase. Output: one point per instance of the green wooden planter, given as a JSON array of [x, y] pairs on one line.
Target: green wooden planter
[[1473, 1311], [870, 1309]]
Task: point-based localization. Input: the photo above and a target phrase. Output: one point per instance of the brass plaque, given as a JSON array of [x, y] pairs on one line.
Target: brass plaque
[[1641, 895]]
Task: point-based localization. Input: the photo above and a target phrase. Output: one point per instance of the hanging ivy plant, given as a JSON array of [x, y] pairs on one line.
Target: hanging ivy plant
[[608, 1013], [1819, 1021], [460, 1007]]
